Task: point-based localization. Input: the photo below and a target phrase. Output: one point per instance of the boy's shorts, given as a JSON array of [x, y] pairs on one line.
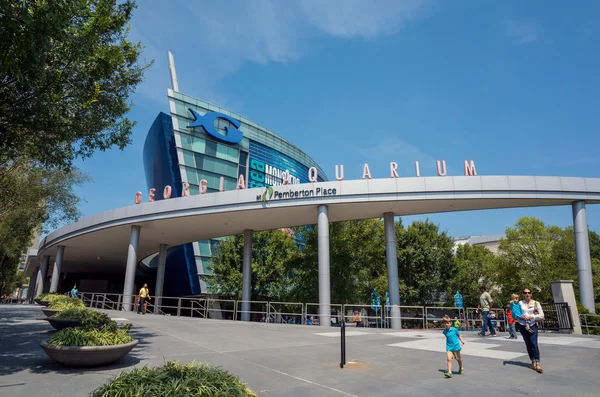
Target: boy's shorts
[[455, 354]]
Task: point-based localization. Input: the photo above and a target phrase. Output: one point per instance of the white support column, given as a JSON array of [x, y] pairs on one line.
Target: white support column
[[42, 274], [134, 240], [324, 281], [584, 262], [160, 274], [392, 269], [247, 275], [60, 253]]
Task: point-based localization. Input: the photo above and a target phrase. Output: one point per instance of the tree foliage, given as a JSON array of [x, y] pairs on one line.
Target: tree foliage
[[430, 272], [274, 255], [425, 262], [473, 266], [66, 72], [357, 261], [36, 197]]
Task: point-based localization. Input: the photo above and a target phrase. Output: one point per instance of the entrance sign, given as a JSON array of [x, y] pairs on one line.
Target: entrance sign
[[289, 180]]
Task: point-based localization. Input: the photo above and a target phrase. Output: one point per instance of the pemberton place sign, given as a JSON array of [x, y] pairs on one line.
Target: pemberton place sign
[[272, 194]]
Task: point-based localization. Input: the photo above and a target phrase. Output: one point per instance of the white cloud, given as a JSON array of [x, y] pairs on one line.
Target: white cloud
[[216, 38], [523, 32], [359, 18]]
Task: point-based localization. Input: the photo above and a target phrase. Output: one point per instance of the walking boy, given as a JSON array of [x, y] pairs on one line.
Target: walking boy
[[453, 346], [512, 331]]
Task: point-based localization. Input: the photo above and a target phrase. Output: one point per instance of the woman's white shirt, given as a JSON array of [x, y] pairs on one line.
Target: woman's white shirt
[[527, 309]]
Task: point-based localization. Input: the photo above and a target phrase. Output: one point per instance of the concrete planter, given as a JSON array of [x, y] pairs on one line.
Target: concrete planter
[[41, 302], [87, 356], [50, 312], [61, 323]]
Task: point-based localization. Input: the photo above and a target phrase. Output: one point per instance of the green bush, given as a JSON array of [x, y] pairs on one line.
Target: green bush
[[64, 303], [90, 337], [87, 317], [175, 380], [49, 297]]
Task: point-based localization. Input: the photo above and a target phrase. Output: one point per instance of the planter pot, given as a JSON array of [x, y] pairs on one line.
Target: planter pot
[[50, 312], [88, 356], [60, 323], [41, 302]]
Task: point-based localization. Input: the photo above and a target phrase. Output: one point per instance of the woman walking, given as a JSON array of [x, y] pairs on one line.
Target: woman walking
[[531, 310]]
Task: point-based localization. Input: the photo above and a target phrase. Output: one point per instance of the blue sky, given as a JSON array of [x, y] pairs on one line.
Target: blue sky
[[512, 85]]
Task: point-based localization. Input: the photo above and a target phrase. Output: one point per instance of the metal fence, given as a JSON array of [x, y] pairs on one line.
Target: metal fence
[[359, 315], [557, 317], [590, 324]]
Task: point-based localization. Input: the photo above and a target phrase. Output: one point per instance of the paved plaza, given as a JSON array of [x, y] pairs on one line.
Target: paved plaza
[[293, 360]]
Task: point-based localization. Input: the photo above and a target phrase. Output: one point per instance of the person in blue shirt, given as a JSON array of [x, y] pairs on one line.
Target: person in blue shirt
[[74, 292], [453, 347]]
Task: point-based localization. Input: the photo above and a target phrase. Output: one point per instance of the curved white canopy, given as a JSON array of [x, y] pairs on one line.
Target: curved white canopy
[[99, 242]]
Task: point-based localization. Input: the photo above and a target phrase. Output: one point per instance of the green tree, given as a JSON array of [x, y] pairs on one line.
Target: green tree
[[66, 72], [425, 262], [357, 261], [474, 265], [37, 197], [274, 255], [531, 255]]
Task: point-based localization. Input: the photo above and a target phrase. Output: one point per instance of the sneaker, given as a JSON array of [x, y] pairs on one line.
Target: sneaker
[[493, 334], [461, 371], [448, 374]]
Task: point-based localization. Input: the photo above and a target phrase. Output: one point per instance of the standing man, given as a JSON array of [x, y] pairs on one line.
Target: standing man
[[144, 295], [485, 305]]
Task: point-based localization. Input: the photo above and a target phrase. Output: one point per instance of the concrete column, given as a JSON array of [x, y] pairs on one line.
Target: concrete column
[[32, 285], [324, 282], [247, 275], [58, 260], [160, 274], [392, 269], [42, 273], [134, 240], [584, 263], [562, 291]]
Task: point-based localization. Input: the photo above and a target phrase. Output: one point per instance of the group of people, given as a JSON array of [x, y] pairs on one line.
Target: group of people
[[523, 315]]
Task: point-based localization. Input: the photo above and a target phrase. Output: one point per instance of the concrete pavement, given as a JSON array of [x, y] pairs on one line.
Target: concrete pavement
[[293, 360]]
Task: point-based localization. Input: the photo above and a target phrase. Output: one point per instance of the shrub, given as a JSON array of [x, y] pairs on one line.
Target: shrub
[[64, 303], [173, 379], [90, 337], [49, 297], [87, 317]]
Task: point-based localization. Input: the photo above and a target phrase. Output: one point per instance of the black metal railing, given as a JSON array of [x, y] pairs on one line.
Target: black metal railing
[[557, 317]]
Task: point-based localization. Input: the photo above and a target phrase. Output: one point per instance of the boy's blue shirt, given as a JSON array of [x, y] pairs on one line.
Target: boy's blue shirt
[[452, 341], [516, 310]]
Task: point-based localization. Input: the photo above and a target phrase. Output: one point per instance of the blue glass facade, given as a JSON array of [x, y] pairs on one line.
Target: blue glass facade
[[180, 150], [161, 168]]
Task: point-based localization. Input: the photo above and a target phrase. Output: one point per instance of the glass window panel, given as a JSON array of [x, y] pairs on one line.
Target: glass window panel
[[207, 264], [243, 158], [194, 189], [180, 108], [198, 145], [188, 159], [186, 141], [191, 176], [204, 248], [211, 148], [199, 161], [230, 185]]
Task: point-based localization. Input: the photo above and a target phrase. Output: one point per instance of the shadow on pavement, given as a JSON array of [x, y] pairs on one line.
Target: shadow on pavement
[[20, 336], [517, 363]]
